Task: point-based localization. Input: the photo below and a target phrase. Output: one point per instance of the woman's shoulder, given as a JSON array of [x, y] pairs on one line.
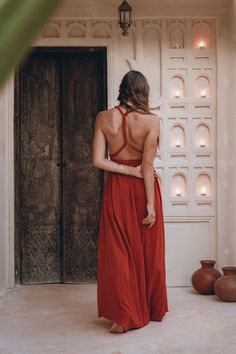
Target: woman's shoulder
[[153, 120], [106, 113], [104, 117], [151, 124]]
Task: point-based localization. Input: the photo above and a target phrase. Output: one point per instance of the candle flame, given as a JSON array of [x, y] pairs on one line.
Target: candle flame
[[201, 44], [177, 143]]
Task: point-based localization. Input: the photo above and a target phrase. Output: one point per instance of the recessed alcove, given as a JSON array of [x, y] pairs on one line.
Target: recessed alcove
[[177, 136], [202, 35], [51, 30], [178, 185], [76, 30], [177, 87], [202, 136], [203, 185], [101, 30], [176, 37], [202, 87]]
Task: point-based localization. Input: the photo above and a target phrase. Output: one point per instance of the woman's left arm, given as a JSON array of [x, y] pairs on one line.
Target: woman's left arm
[[99, 151]]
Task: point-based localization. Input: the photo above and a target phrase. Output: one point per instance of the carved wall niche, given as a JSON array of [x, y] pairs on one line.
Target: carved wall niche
[[177, 136], [177, 87], [176, 36], [52, 30], [178, 185], [203, 34], [101, 30], [203, 185], [202, 136], [76, 30], [202, 86]]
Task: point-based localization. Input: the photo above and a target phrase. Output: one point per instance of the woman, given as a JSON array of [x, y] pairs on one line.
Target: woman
[[131, 281]]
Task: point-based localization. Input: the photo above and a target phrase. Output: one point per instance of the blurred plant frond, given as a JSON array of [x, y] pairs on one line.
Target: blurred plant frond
[[20, 23]]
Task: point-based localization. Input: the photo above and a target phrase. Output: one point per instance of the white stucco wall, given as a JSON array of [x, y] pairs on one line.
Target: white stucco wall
[[2, 199], [232, 135], [6, 186], [147, 8]]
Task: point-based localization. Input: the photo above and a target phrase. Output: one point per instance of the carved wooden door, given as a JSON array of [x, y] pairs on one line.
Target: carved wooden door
[[60, 92]]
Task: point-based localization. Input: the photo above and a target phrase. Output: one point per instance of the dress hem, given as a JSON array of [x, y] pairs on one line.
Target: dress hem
[[124, 325]]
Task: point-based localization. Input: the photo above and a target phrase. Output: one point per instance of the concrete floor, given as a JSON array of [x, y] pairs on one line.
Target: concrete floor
[[62, 318]]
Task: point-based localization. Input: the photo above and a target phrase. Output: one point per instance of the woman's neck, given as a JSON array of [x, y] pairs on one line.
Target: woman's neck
[[129, 106]]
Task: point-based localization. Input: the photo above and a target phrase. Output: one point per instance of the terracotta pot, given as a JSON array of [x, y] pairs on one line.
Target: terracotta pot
[[203, 279], [225, 286]]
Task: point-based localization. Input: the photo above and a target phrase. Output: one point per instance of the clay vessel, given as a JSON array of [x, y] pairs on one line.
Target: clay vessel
[[225, 286], [203, 279]]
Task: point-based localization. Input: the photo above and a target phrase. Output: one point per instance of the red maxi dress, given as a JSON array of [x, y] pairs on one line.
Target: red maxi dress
[[131, 276]]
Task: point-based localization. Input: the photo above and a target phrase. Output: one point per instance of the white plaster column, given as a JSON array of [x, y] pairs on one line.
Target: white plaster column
[[7, 186], [223, 119], [232, 137]]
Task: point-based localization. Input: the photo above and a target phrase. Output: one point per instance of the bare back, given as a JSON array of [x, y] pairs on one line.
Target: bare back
[[125, 132]]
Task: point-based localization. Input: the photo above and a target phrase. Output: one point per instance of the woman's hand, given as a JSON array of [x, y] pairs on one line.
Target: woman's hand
[[138, 171], [151, 217]]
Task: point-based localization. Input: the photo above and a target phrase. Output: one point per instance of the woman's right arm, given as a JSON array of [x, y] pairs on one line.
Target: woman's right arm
[[150, 146]]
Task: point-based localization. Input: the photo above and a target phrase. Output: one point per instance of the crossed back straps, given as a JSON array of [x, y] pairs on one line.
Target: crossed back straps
[[125, 143]]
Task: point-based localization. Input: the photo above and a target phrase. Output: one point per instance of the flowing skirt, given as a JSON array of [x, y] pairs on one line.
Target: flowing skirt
[[131, 277]]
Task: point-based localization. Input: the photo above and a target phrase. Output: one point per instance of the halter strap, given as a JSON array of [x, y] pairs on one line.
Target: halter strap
[[124, 114]]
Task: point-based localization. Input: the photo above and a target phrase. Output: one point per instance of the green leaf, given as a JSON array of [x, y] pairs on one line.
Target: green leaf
[[20, 23]]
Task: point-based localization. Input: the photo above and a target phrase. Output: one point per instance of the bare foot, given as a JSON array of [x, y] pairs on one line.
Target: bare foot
[[115, 328]]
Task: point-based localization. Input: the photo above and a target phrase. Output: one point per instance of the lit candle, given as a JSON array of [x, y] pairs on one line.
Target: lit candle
[[203, 94], [201, 44], [177, 94], [177, 46], [178, 143], [202, 144], [178, 192], [203, 191]]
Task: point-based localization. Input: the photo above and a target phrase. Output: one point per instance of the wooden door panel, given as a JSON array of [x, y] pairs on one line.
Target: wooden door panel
[[82, 183], [40, 176], [60, 93]]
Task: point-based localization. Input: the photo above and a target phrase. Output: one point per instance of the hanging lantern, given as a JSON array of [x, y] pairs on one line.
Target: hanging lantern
[[125, 11]]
